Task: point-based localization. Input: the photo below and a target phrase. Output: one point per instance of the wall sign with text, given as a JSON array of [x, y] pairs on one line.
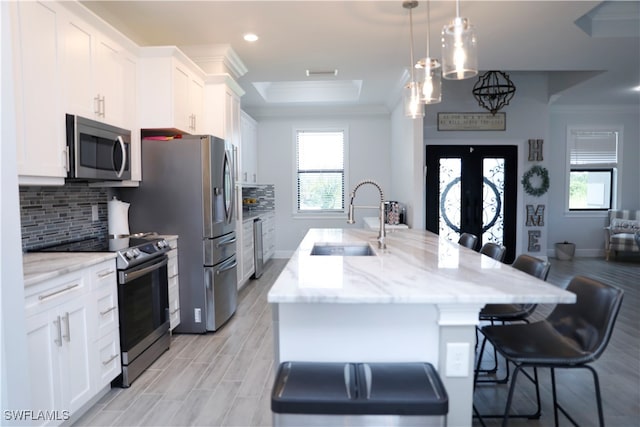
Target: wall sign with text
[[472, 121]]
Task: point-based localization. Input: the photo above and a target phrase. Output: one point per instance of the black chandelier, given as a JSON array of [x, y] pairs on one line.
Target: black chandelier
[[494, 90]]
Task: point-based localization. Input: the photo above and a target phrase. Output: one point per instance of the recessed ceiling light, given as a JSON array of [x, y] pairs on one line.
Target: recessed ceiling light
[[250, 37]]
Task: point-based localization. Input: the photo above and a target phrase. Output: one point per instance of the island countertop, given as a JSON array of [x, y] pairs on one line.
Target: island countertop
[[416, 267]]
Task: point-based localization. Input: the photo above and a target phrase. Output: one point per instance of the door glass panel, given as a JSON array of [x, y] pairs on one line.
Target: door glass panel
[[450, 195], [493, 200]]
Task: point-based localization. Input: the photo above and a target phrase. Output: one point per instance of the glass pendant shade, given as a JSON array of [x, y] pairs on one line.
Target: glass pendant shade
[[413, 108], [430, 77], [459, 50]]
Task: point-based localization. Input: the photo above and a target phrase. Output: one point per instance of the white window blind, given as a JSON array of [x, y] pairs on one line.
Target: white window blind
[[320, 170], [593, 148]]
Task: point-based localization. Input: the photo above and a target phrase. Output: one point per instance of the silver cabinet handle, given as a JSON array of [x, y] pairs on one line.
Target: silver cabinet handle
[[106, 362], [67, 160], [96, 105], [52, 294], [66, 319], [59, 339], [107, 311], [105, 274], [103, 109]]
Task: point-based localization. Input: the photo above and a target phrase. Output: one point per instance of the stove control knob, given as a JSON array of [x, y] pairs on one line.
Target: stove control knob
[[136, 252], [129, 254], [161, 244]]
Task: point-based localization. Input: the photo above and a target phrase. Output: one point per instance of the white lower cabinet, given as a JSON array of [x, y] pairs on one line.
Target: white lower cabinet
[[106, 362], [66, 366], [268, 236], [174, 283], [248, 266]]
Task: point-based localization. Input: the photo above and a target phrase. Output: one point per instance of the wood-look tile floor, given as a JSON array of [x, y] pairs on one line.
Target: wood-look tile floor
[[224, 378]]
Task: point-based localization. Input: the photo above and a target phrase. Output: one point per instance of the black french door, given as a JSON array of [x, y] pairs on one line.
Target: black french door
[[473, 189]]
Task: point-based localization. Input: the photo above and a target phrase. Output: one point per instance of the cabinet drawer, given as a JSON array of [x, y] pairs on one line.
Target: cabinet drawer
[[172, 266], [106, 313], [108, 365], [104, 275], [174, 302], [48, 294]]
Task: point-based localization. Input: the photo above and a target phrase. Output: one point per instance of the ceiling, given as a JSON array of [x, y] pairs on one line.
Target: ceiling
[[590, 50]]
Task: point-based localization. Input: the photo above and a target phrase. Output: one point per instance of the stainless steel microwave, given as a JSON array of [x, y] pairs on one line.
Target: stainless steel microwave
[[97, 151]]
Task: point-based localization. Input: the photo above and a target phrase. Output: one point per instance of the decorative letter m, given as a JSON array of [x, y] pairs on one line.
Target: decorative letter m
[[535, 218]]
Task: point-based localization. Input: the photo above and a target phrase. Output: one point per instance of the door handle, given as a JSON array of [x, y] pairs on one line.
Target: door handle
[[59, 339], [66, 319], [226, 242], [226, 268], [123, 148]]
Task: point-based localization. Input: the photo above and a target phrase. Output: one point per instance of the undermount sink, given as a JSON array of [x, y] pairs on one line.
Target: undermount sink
[[342, 250]]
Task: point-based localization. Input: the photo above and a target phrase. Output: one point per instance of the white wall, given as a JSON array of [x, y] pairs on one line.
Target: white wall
[[407, 165], [585, 230], [526, 118], [388, 148], [14, 389], [368, 158]]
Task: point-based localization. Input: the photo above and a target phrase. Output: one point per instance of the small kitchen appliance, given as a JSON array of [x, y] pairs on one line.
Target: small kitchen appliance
[[97, 151]]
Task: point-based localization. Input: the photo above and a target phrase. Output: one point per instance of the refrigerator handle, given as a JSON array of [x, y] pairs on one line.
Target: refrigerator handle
[[227, 267]]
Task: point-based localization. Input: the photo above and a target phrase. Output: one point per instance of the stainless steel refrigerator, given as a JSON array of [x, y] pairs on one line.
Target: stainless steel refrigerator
[[187, 189]]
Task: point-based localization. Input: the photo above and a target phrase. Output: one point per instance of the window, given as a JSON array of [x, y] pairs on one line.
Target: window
[[593, 157], [320, 170]]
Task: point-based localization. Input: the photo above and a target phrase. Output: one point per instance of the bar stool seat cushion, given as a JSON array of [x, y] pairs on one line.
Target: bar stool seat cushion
[[541, 343]]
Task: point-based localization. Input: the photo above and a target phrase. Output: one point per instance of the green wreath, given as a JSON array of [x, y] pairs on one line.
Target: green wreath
[[543, 173]]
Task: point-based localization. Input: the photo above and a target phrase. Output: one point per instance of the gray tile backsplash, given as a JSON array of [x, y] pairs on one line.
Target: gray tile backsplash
[[265, 195], [51, 215]]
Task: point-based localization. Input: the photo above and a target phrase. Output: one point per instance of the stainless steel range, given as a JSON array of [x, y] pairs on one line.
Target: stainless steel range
[[143, 300]]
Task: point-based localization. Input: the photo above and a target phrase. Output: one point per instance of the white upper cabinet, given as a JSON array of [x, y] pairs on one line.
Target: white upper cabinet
[[171, 91], [98, 75], [249, 149], [68, 65], [40, 132]]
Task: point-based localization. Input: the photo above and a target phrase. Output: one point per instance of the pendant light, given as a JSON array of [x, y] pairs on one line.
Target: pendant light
[[431, 69], [412, 92], [459, 48]]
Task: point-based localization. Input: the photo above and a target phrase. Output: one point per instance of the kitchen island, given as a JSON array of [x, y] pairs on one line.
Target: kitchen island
[[417, 300]]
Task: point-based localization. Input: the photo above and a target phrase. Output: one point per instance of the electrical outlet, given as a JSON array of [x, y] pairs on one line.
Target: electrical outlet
[[197, 315], [457, 359], [94, 212]]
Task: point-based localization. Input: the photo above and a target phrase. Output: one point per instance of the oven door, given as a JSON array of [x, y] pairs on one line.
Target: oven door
[[143, 297]]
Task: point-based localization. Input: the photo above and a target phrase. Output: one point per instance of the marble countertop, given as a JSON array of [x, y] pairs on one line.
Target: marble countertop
[[40, 266], [416, 267]]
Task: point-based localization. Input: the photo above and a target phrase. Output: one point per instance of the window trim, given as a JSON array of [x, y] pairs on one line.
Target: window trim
[[617, 169], [319, 214]]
